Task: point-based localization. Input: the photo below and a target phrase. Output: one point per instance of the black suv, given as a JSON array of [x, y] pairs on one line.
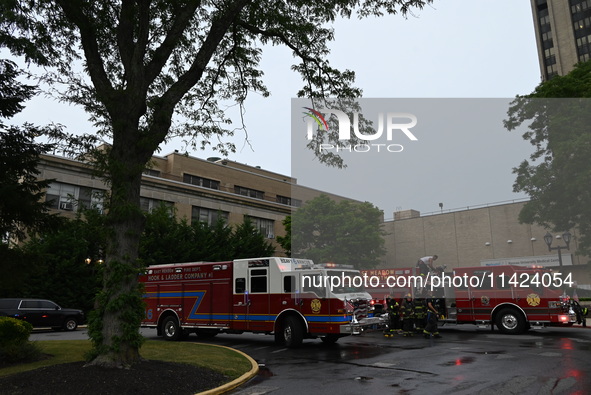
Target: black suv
[[41, 313]]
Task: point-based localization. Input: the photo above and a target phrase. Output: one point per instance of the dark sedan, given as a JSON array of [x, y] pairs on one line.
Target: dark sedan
[[41, 313]]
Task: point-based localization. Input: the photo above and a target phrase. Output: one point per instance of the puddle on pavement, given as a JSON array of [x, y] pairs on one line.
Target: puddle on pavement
[[459, 361], [263, 374], [488, 352]]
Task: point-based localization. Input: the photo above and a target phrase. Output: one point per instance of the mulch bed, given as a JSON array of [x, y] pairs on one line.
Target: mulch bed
[[145, 378]]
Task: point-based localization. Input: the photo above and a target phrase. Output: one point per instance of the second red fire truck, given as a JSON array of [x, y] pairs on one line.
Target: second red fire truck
[[512, 298], [290, 298]]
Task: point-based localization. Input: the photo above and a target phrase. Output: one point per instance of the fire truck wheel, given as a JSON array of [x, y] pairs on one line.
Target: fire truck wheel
[[293, 332], [171, 329], [510, 321]]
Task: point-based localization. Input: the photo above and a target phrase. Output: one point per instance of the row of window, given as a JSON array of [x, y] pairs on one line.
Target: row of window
[[583, 40], [67, 197], [149, 204], [581, 6], [201, 181], [211, 216], [544, 19], [243, 191], [239, 190], [583, 23]]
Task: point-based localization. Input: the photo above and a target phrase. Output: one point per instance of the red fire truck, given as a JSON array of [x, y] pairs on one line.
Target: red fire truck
[[290, 298], [514, 298]]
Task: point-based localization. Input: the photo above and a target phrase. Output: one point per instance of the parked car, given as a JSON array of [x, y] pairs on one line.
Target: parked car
[[42, 313]]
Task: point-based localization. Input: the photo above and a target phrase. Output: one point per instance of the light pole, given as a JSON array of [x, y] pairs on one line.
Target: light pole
[[548, 239]]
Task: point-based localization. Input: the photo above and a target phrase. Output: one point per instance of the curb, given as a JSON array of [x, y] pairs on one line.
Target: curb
[[236, 382]]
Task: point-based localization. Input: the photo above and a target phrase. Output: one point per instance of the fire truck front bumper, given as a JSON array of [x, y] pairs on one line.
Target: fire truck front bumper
[[356, 327]]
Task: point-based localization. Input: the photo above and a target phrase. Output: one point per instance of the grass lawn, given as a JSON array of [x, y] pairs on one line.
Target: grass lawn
[[220, 359]]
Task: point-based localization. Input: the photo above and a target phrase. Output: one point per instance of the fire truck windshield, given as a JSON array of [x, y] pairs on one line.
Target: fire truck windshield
[[344, 282]]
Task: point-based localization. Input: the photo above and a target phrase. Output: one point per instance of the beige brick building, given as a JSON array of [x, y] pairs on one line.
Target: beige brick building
[[200, 190], [473, 237], [563, 34]]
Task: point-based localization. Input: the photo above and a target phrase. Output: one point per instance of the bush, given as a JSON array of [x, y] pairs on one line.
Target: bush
[[13, 331], [14, 341]]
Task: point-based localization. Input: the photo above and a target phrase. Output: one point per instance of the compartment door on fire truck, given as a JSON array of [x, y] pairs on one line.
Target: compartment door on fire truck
[[463, 299], [250, 307], [258, 310], [483, 293], [290, 293]]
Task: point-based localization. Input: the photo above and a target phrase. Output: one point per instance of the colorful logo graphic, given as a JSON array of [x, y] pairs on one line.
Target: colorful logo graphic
[[533, 300], [316, 306], [316, 116]]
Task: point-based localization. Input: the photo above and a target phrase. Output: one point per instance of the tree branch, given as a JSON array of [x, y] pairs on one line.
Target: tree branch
[[165, 107], [73, 11], [161, 55]]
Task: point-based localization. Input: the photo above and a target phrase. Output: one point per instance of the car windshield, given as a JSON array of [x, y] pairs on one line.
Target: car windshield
[[345, 282]]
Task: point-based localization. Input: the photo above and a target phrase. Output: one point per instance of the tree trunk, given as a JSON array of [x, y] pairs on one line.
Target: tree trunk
[[119, 307]]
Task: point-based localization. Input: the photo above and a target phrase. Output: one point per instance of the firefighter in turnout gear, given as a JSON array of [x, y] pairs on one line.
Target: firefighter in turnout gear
[[420, 313], [393, 310], [407, 313], [432, 315]]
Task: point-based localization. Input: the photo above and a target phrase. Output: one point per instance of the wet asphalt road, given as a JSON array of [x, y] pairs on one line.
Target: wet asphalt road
[[466, 360]]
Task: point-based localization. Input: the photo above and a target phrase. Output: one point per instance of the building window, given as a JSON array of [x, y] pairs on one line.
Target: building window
[[249, 192], [201, 181], [550, 60], [207, 215], [148, 205], [152, 172], [69, 197], [289, 201], [265, 226]]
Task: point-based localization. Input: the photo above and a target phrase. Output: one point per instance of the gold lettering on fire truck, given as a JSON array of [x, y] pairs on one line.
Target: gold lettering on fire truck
[[315, 305], [533, 300]]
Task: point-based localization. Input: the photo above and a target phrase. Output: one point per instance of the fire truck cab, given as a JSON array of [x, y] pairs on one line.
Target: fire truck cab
[[290, 298]]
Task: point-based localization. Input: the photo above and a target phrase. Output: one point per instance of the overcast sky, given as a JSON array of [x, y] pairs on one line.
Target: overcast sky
[[452, 49]]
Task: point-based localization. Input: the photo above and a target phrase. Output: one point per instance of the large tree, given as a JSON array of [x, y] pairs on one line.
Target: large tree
[[558, 175], [344, 233], [144, 62], [22, 208]]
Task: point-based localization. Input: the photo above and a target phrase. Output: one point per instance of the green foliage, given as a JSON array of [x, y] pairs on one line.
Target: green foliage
[[168, 240], [21, 206], [285, 241], [557, 176], [126, 305], [248, 242], [14, 341], [14, 331], [58, 267], [13, 261], [345, 232]]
